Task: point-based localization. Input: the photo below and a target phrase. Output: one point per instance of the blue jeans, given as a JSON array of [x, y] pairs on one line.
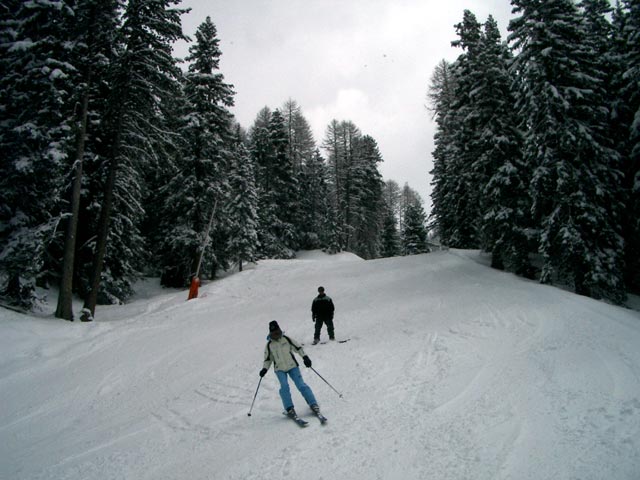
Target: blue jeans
[[285, 393]]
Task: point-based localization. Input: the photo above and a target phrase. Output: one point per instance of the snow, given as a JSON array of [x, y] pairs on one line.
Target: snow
[[452, 371], [21, 45]]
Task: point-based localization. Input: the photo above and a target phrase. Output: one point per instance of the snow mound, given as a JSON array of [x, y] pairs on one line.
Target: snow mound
[[319, 255]]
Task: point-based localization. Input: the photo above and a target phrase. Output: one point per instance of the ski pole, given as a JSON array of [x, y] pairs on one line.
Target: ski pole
[[254, 397], [339, 394]]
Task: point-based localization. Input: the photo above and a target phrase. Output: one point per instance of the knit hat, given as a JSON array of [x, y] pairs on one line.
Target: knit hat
[[273, 326]]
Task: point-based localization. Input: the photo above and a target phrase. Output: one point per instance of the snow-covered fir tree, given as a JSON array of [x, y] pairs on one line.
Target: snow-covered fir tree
[[504, 201], [408, 197], [194, 210], [626, 126], [576, 174], [414, 234], [242, 207], [392, 217], [563, 197], [35, 99], [299, 136], [144, 78], [260, 149], [94, 31], [301, 150], [464, 184], [392, 194], [277, 186], [340, 138], [356, 188], [366, 197], [284, 192], [390, 238], [314, 203], [442, 96]]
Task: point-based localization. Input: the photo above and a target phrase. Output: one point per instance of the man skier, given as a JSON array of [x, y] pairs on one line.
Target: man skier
[[279, 351], [322, 312]]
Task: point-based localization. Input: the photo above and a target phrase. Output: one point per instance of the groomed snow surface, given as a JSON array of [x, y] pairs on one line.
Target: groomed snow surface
[[453, 371]]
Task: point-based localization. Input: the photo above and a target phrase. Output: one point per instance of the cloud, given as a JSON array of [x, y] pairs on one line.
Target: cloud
[[368, 61], [348, 104]]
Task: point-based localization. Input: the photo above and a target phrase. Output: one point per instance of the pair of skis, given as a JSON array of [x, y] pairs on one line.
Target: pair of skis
[[325, 342], [303, 423]]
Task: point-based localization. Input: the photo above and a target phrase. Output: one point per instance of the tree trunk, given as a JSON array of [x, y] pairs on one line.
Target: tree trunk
[[579, 279], [65, 297], [89, 309], [496, 260]]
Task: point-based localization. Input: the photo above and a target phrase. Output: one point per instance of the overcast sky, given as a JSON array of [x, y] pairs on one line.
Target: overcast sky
[[368, 61]]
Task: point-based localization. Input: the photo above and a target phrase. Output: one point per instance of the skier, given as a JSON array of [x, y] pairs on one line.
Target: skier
[[322, 312], [279, 351]]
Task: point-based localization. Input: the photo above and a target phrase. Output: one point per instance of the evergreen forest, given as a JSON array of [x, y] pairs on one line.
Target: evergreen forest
[[121, 161], [537, 151]]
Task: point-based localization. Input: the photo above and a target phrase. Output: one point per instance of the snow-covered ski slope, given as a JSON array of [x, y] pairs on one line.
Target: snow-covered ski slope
[[454, 371]]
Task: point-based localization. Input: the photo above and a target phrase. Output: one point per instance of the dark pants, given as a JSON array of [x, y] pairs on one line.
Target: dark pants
[[319, 323]]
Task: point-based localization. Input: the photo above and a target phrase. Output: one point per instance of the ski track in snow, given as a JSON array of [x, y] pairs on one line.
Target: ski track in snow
[[452, 371]]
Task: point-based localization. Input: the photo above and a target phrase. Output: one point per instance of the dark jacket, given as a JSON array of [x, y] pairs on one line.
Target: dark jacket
[[322, 307]]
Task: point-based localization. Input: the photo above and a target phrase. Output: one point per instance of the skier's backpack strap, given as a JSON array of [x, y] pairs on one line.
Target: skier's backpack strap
[[291, 343], [271, 356]]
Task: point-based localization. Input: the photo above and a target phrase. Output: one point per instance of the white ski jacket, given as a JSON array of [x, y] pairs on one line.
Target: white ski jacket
[[280, 353]]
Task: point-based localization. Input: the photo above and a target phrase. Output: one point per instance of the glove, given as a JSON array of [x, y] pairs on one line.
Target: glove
[[263, 372], [307, 361]]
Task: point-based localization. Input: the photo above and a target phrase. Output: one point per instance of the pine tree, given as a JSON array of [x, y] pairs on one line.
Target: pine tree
[[356, 188], [94, 31], [35, 91], [277, 186], [573, 188], [196, 195], [414, 234], [144, 75], [442, 99], [366, 197], [392, 214], [408, 196], [284, 191], [390, 241], [464, 185], [301, 148], [626, 127], [242, 206], [299, 136], [392, 196], [314, 204], [333, 231], [504, 203], [476, 135], [261, 150], [340, 141]]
